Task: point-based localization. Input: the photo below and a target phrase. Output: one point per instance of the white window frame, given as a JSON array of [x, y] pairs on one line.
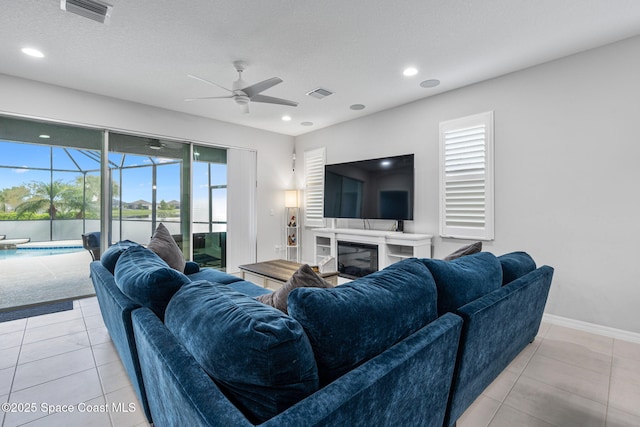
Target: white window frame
[[467, 178], [314, 161]]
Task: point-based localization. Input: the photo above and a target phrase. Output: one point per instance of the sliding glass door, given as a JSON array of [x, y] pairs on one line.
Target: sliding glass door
[[148, 182], [52, 192], [209, 191], [49, 196]]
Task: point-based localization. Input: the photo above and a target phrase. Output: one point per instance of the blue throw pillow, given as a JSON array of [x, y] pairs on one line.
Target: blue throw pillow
[[352, 323], [515, 265], [110, 257], [259, 356], [147, 279], [464, 279]]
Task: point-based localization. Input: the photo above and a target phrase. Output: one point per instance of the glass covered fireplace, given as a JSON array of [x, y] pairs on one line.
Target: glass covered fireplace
[[357, 259]]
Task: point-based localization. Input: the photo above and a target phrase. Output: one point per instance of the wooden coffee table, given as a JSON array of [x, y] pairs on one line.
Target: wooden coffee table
[[273, 274]]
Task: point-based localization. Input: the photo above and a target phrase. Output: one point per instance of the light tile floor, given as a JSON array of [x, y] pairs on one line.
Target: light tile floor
[[64, 358], [564, 378]]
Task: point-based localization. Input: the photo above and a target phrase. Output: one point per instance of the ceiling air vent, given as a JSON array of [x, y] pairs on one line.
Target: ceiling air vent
[[319, 93], [92, 9]]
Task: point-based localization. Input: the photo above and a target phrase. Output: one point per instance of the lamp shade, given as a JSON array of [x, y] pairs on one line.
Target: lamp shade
[[291, 198]]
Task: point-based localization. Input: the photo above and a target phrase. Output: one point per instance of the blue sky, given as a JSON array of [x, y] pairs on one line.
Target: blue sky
[[136, 182]]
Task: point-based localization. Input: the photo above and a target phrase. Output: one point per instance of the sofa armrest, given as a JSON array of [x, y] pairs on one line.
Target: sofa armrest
[[191, 267], [179, 391], [496, 328], [412, 378], [116, 309]]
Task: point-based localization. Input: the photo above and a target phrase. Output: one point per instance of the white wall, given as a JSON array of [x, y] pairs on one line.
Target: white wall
[[567, 172], [38, 100]]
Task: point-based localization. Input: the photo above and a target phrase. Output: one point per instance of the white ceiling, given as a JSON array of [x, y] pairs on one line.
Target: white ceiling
[[355, 48]]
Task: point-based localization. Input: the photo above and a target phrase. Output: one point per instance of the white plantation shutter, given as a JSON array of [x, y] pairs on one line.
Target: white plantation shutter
[[314, 161], [466, 177]]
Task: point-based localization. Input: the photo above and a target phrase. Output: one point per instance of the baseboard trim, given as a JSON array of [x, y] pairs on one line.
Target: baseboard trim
[[592, 328]]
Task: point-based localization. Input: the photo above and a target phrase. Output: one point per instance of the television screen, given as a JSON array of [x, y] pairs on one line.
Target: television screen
[[370, 189]]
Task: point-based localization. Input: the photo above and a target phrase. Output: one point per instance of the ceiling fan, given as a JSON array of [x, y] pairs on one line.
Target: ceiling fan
[[243, 94]]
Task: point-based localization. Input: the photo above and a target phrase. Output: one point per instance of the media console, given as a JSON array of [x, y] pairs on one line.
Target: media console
[[391, 246]]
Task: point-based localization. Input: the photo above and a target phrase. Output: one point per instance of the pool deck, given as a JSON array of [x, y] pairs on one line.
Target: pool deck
[[27, 281]]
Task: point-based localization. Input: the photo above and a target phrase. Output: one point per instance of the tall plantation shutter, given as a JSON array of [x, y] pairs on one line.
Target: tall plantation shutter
[[314, 161], [466, 177]]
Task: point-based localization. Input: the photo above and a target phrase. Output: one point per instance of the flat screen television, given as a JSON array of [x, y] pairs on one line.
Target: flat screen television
[[370, 189]]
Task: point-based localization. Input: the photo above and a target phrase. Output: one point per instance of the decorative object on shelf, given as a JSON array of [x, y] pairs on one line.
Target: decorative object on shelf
[[292, 211]]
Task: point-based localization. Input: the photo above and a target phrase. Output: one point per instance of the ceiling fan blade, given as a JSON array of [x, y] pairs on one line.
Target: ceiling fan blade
[[272, 100], [208, 97], [255, 89], [209, 82]]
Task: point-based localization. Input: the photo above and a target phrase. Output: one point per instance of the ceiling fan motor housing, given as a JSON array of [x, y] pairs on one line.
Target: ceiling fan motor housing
[[241, 99]]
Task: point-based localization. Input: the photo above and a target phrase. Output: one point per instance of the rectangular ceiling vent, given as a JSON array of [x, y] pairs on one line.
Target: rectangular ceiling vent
[[319, 93], [92, 9]]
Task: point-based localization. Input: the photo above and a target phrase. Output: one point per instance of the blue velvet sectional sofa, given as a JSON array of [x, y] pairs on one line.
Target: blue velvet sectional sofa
[[116, 306], [413, 344]]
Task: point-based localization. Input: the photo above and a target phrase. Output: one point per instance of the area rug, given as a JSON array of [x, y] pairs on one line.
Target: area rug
[[37, 310]]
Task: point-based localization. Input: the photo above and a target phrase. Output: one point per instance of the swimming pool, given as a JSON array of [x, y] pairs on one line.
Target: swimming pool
[[31, 252]]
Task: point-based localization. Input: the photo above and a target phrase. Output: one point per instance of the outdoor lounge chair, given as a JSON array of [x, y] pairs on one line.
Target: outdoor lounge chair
[[91, 242]]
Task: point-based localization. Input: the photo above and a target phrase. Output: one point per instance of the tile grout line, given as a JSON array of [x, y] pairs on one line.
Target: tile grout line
[[95, 363], [15, 369], [35, 385], [606, 409], [516, 381]]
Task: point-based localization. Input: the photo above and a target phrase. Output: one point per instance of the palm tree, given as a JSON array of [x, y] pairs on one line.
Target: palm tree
[[45, 197], [12, 197]]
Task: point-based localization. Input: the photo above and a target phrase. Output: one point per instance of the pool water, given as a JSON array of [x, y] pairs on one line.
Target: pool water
[[31, 252]]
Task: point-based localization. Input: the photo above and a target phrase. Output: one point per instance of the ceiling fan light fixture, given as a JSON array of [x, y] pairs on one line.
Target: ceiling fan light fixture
[[241, 99]]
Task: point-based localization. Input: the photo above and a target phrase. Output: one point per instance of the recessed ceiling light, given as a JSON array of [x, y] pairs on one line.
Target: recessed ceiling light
[[44, 136], [357, 107], [286, 118], [307, 123], [430, 83], [410, 71], [32, 52]]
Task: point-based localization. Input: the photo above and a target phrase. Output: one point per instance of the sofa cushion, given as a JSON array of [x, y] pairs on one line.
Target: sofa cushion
[[515, 265], [352, 323], [303, 277], [214, 276], [162, 243], [147, 279], [464, 279], [249, 288], [470, 249], [259, 356], [110, 257]]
